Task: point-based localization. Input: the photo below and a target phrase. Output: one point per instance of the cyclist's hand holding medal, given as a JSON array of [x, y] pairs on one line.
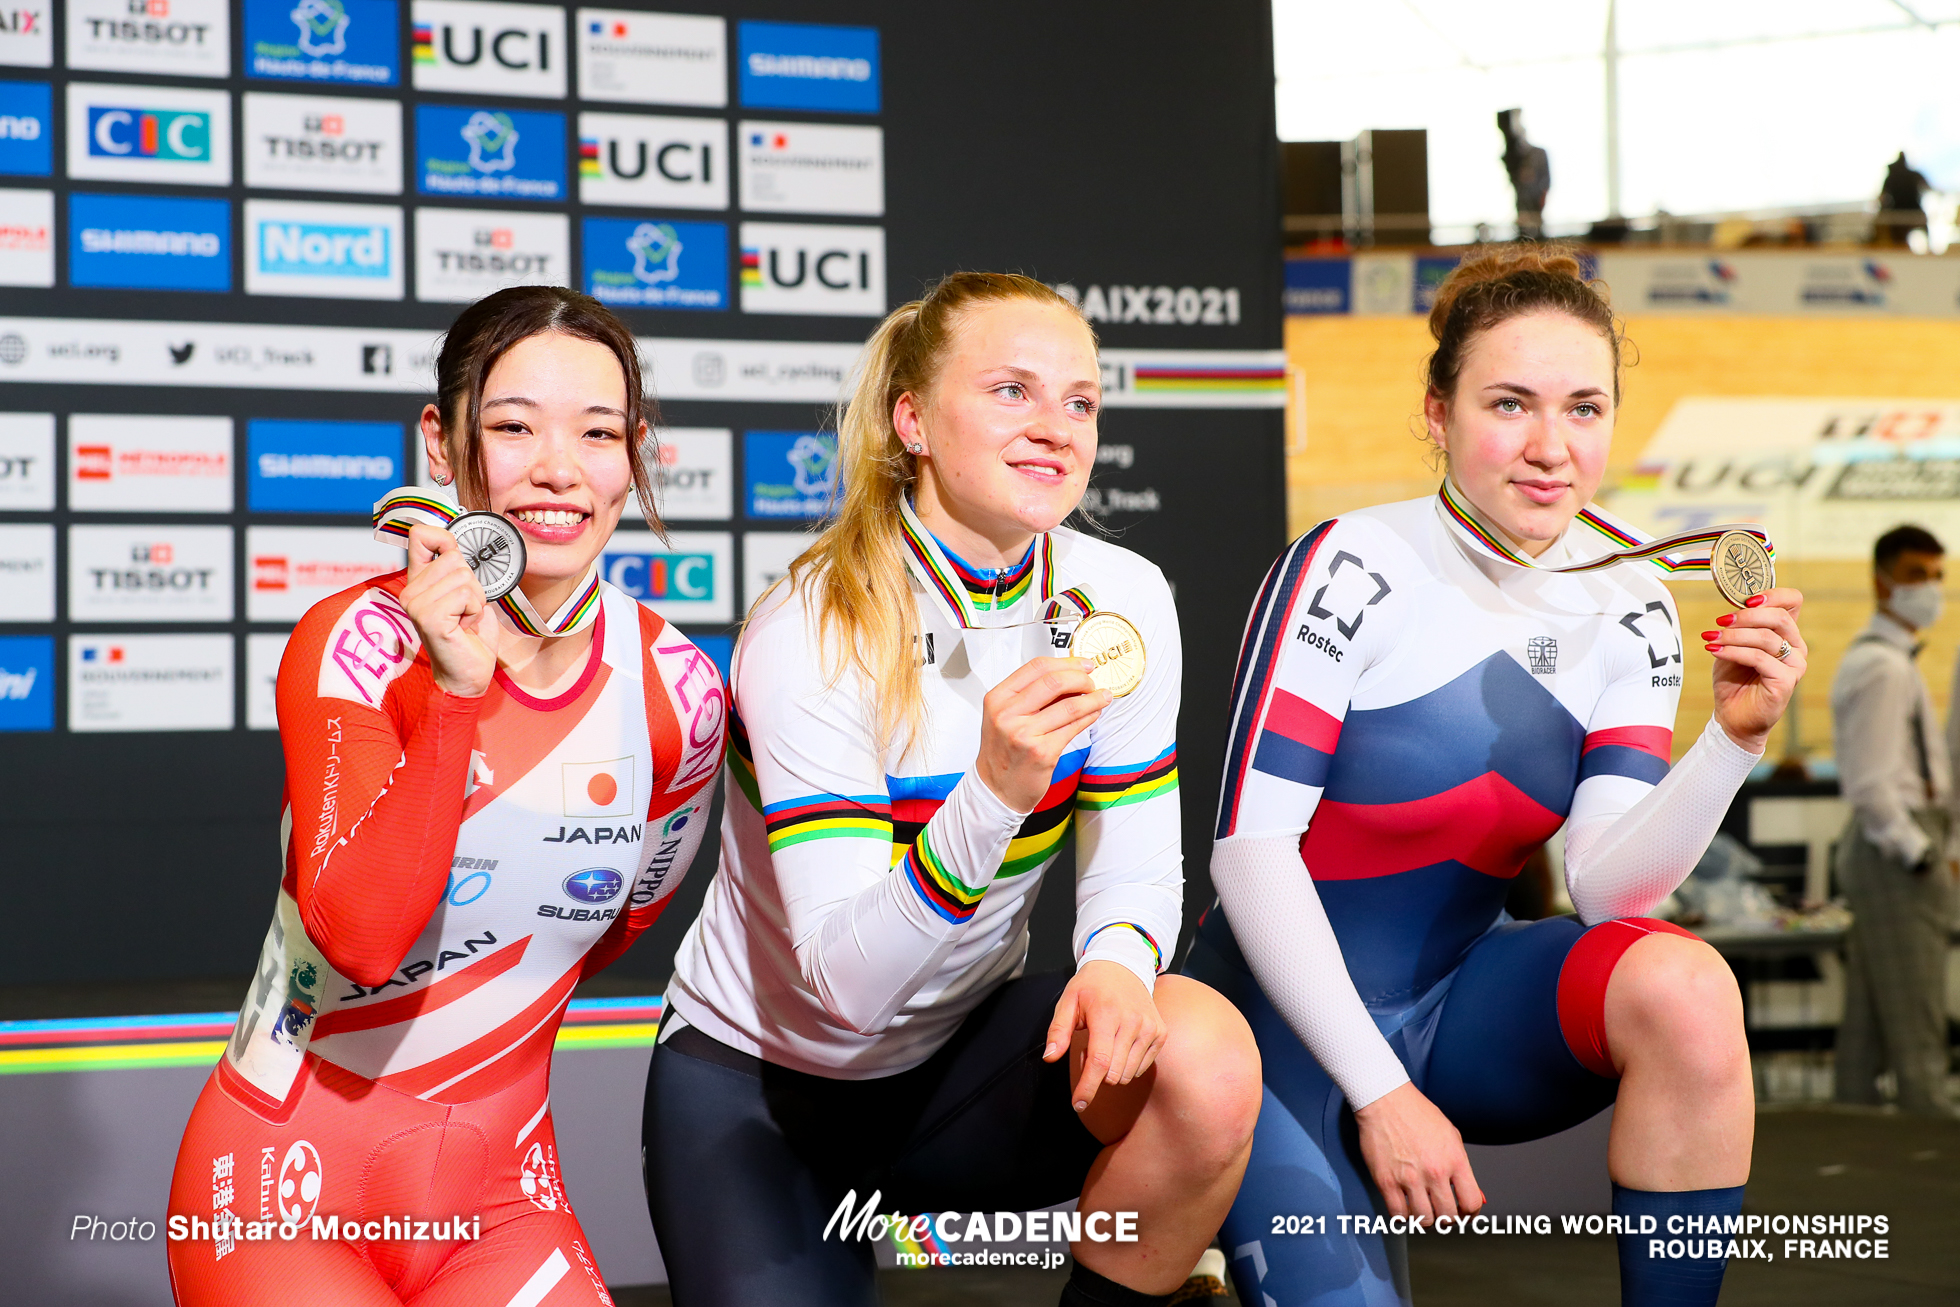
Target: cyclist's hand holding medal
[[446, 602]]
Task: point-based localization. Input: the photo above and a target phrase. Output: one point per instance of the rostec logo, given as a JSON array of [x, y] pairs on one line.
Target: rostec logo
[[343, 251], [26, 129], [350, 41], [316, 143], [461, 255], [26, 40], [117, 132], [186, 38], [657, 265], [639, 58], [810, 269], [803, 168], [635, 159], [143, 243], [491, 152], [807, 66], [462, 46], [149, 133]]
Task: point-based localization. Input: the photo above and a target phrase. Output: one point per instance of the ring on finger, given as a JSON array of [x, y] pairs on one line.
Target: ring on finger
[[1783, 653]]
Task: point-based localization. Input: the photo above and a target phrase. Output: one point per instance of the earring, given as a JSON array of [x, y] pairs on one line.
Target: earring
[[443, 481], [916, 449]]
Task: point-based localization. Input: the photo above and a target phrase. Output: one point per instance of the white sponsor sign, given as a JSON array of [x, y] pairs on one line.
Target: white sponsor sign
[[331, 251], [262, 655], [631, 57], [149, 573], [499, 49], [694, 476], [26, 461], [461, 255], [659, 162], [691, 578], [27, 34], [766, 556], [1862, 284], [1824, 478], [323, 143], [26, 238], [288, 569], [27, 572], [807, 168], [159, 464], [183, 38], [799, 268], [149, 134], [149, 682]]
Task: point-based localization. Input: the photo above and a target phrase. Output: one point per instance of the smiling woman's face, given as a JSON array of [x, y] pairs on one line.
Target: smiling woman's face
[[1009, 427], [1530, 424]]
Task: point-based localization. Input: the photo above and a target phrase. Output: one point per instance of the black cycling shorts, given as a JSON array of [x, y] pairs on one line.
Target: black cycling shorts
[[747, 1161]]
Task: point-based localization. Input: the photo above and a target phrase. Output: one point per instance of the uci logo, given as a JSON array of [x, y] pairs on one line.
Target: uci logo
[[513, 48]]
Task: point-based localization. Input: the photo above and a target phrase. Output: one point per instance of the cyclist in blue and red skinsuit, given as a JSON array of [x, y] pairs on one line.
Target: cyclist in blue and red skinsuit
[[1423, 700]]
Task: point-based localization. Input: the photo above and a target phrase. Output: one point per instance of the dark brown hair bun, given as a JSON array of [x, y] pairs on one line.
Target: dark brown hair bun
[[1496, 283]]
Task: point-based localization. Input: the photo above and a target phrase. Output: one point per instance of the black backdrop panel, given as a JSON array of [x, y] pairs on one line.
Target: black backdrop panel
[[1098, 145]]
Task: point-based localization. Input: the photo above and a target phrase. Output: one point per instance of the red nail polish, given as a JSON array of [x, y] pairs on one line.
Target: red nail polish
[[1714, 648], [1753, 601], [1711, 635], [1726, 619]]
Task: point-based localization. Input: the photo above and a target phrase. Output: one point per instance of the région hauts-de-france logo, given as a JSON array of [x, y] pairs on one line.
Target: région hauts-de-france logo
[[322, 27], [814, 464], [493, 141], [656, 248]]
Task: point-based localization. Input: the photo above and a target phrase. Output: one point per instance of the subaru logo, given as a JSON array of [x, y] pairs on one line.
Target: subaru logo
[[598, 885]]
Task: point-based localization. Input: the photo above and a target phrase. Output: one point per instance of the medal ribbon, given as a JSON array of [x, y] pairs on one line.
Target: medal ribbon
[[1634, 547], [928, 563], [399, 510]]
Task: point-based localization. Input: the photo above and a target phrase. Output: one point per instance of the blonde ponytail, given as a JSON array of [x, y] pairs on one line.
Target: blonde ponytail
[[855, 571]]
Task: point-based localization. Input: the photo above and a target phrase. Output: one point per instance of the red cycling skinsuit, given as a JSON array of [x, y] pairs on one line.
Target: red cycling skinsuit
[[453, 867]]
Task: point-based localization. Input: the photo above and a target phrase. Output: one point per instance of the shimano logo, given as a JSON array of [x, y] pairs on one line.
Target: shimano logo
[[186, 244], [328, 467], [13, 127], [810, 67]]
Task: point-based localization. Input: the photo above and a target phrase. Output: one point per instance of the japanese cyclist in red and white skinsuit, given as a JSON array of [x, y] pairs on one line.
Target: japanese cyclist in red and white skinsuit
[[483, 806]]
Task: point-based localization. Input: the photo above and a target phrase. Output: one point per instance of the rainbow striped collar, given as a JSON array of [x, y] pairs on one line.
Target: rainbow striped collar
[[935, 568], [399, 510], [1625, 543]]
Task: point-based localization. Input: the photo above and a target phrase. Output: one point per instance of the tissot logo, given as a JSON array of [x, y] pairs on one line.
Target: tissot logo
[[26, 461], [636, 159], [350, 41], [464, 46], [140, 573], [461, 255], [186, 38], [149, 133], [694, 474], [320, 143], [809, 269]]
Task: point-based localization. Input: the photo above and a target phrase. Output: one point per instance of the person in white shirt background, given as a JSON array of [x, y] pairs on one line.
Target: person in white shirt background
[[1892, 861]]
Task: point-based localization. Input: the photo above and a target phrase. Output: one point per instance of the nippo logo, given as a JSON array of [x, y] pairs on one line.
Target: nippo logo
[[301, 1178]]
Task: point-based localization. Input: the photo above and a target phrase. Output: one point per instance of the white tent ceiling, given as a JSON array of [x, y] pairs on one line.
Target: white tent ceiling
[[1724, 106]]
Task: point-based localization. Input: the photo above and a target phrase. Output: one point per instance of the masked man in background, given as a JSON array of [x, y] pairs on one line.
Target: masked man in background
[[1892, 860]]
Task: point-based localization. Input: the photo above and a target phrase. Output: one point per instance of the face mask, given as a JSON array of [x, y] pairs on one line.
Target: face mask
[[1919, 604]]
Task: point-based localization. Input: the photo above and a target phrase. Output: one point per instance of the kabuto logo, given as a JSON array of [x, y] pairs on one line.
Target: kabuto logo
[[490, 152], [336, 251], [461, 255], [458, 44], [657, 265], [26, 129], [351, 41], [26, 38], [185, 38], [634, 159], [304, 142], [301, 1178], [149, 134], [813, 270]]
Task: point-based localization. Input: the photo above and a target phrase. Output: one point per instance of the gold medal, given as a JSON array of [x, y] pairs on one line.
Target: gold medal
[[1115, 647], [1740, 567]]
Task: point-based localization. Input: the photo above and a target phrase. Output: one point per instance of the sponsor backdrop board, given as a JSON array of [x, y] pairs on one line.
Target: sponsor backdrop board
[[231, 235]]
